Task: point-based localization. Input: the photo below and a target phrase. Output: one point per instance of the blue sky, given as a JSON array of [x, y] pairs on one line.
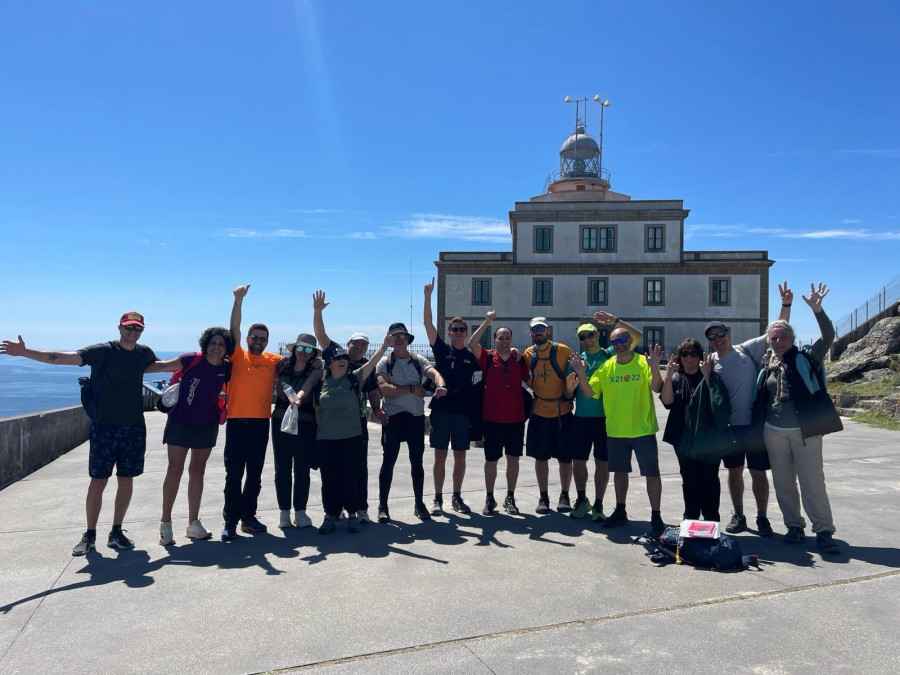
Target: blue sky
[[155, 155]]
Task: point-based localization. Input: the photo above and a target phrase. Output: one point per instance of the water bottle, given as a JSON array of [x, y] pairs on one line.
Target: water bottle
[[289, 392]]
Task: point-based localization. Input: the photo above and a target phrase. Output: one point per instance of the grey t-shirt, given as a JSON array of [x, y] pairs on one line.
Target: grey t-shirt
[[738, 371], [339, 417], [402, 374]]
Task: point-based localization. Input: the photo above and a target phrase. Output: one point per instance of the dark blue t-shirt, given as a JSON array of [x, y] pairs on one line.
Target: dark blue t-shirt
[[456, 366]]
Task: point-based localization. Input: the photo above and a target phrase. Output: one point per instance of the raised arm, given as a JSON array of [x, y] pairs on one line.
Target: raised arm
[[607, 319], [11, 348], [667, 394], [654, 357], [580, 373], [427, 318], [319, 305], [369, 365], [787, 299], [235, 327], [820, 346], [475, 340]]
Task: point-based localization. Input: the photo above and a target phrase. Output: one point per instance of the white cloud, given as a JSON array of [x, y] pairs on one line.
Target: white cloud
[[248, 233], [873, 152], [360, 235], [851, 221], [441, 226], [843, 234]]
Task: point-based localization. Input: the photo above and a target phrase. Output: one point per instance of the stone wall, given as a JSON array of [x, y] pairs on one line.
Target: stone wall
[[28, 442]]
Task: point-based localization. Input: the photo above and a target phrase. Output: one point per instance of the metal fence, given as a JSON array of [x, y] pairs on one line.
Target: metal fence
[[887, 296]]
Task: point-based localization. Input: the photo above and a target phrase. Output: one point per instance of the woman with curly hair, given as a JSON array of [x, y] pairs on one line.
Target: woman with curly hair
[[193, 424]]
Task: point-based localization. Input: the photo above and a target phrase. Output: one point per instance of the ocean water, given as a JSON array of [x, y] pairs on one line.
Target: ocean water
[[28, 386]]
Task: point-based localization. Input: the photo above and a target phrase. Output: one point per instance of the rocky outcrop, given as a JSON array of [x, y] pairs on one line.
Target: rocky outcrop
[[890, 406], [870, 353]]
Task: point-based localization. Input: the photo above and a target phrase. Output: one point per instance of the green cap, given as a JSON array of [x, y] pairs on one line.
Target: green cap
[[586, 327]]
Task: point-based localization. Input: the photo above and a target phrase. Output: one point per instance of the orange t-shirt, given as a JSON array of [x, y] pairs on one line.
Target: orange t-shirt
[[250, 388]]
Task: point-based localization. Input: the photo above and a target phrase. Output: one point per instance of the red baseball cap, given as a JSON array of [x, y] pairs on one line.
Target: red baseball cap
[[132, 319]]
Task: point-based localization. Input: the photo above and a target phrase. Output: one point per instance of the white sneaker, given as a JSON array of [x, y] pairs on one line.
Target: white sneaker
[[284, 520], [165, 534], [196, 531], [363, 516], [301, 519]]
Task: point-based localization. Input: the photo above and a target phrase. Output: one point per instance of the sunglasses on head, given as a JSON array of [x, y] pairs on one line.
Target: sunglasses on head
[[688, 353], [304, 350], [538, 329], [259, 338], [459, 329], [133, 329], [718, 334], [619, 341], [587, 336]]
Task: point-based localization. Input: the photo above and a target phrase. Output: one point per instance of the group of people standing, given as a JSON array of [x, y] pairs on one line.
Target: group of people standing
[[761, 403]]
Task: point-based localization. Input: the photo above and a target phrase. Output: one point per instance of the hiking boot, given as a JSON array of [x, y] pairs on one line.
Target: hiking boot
[[353, 523], [736, 524], [86, 544], [284, 520], [229, 532], [509, 505], [764, 527], [489, 505], [327, 526], [826, 543], [618, 517], [597, 514], [301, 519], [196, 531], [421, 512], [363, 517], [384, 516], [563, 505], [437, 508], [460, 506], [794, 535], [543, 506], [117, 539], [252, 524], [582, 507], [657, 524], [166, 538]]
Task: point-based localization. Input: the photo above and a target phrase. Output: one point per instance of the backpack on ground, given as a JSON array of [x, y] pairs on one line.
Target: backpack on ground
[[720, 553]]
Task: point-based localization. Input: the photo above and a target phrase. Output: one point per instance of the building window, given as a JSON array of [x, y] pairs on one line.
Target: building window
[[588, 238], [597, 291], [654, 335], [654, 237], [603, 337], [654, 292], [543, 240], [543, 292], [720, 291], [607, 237], [481, 291]]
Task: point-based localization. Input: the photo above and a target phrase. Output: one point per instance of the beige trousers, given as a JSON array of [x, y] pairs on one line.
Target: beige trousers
[[794, 458]]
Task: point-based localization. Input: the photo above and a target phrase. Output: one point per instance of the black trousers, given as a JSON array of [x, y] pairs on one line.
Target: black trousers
[[245, 450], [295, 455], [339, 468], [701, 488], [402, 427], [363, 470]]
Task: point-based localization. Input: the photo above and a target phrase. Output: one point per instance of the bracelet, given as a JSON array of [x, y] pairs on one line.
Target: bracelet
[[786, 304], [616, 321]]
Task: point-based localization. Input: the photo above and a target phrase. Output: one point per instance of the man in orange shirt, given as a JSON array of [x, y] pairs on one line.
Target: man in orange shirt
[[247, 429]]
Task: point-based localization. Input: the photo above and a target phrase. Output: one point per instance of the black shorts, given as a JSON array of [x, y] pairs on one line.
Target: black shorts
[[645, 449], [550, 437], [500, 437], [199, 438], [589, 432], [114, 445], [744, 447], [448, 430]]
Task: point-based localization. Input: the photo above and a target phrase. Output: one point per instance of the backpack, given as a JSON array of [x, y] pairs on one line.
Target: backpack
[[90, 391], [170, 393], [427, 385], [721, 553], [476, 403]]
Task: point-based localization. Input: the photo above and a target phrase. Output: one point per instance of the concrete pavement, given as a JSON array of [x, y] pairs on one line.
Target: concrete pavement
[[460, 594]]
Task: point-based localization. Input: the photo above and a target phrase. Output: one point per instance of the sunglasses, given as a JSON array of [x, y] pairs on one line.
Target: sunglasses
[[538, 329], [780, 338], [685, 354], [718, 334], [304, 350], [587, 336], [459, 329], [619, 341], [259, 338], [133, 329]]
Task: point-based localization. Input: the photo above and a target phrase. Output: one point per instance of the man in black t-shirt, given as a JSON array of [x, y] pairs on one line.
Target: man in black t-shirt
[[118, 434], [449, 419]]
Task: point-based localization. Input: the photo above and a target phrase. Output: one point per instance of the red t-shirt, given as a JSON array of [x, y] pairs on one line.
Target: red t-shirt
[[503, 387]]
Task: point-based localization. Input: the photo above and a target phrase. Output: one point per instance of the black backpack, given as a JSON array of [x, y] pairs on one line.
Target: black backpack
[[476, 403], [722, 553], [90, 389]]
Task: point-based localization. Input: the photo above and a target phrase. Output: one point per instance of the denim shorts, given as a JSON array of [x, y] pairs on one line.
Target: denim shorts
[[114, 445]]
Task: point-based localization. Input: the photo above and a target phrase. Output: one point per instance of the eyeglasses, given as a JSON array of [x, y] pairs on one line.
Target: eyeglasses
[[689, 354], [304, 350], [619, 341], [718, 334], [538, 329], [780, 338], [133, 329], [259, 338], [587, 336], [459, 329]]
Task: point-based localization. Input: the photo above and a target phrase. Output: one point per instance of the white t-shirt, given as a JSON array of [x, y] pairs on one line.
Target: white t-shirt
[[739, 371]]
